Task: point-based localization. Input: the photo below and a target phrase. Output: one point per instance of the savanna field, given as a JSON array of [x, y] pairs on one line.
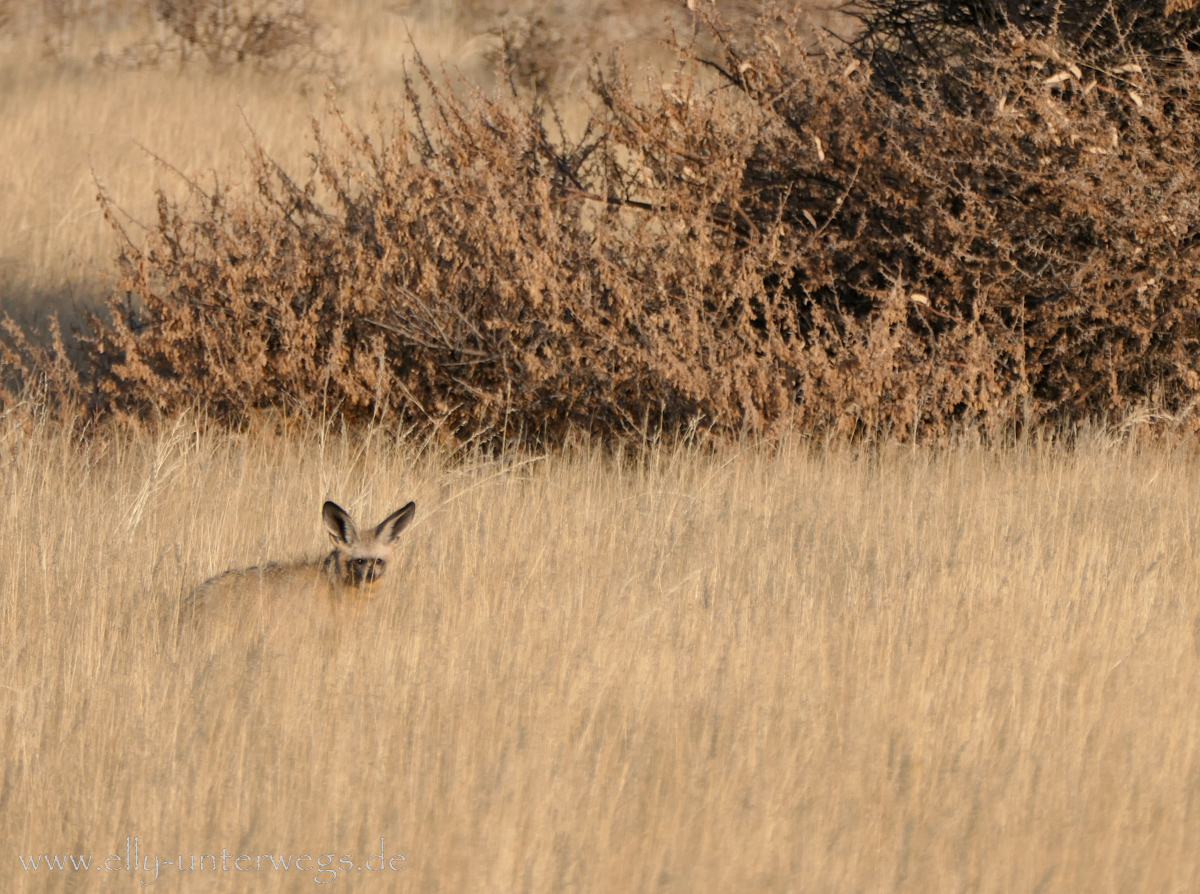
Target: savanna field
[[751, 669], [785, 521]]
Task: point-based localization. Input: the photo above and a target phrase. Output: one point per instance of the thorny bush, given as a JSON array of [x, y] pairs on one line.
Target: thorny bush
[[901, 37], [228, 32], [771, 239]]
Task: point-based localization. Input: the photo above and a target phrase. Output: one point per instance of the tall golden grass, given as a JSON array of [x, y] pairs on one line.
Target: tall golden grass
[[732, 669], [741, 669]]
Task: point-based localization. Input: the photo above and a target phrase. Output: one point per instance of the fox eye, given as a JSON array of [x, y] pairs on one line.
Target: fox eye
[[379, 563]]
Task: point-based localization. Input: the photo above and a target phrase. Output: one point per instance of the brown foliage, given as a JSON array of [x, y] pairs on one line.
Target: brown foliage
[[1006, 240], [902, 35]]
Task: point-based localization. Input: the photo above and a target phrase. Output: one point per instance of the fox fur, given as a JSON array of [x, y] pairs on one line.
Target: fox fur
[[349, 574]]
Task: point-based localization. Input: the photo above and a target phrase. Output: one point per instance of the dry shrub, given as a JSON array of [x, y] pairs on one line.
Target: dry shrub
[[906, 35], [60, 20], [1004, 239], [269, 34], [228, 32], [533, 48], [470, 274]]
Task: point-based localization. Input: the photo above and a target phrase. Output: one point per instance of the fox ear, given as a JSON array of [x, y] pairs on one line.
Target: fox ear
[[337, 522], [389, 529]]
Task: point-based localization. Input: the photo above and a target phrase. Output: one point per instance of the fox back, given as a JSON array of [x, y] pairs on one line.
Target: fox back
[[350, 573]]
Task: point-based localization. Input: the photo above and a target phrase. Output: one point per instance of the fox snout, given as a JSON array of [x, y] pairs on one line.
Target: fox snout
[[366, 571], [360, 559]]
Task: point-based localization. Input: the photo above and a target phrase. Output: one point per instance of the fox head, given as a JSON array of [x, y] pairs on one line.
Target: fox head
[[358, 559]]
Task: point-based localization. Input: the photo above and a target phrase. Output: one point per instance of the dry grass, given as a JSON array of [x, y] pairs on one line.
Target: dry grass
[[912, 670], [742, 669], [56, 248], [69, 120]]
